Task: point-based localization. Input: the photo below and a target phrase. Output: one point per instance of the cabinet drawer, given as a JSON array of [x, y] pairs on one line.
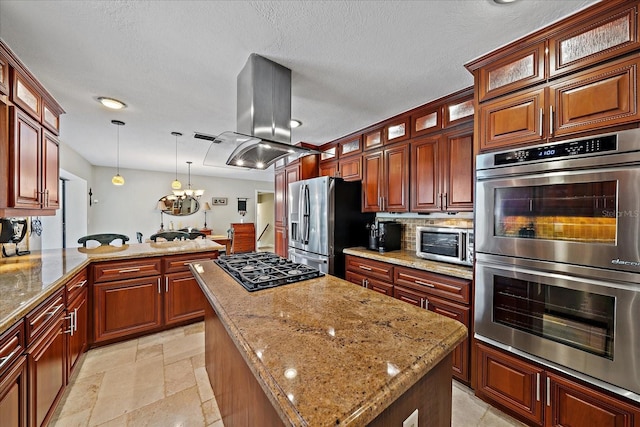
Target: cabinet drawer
[[436, 284], [179, 263], [42, 316], [385, 288], [370, 268], [12, 345], [119, 270], [76, 285]]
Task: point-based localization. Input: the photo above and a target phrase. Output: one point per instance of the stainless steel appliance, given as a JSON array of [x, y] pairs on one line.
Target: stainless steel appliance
[[385, 236], [263, 270], [454, 245], [324, 218], [558, 256]]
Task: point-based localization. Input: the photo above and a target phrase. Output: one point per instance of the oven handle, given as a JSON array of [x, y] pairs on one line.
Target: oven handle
[[462, 247]]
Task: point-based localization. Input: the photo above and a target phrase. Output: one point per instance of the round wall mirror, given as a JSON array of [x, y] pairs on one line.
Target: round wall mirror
[[180, 205]]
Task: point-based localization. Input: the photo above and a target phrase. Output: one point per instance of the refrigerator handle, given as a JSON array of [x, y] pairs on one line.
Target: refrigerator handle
[[306, 214]]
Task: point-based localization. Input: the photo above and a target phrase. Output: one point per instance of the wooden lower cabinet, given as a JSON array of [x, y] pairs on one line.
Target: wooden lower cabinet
[[78, 316], [183, 298], [126, 307], [540, 397], [47, 362], [13, 395], [370, 283]]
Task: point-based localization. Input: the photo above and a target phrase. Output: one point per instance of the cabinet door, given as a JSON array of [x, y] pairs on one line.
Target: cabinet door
[[370, 268], [78, 313], [510, 382], [596, 40], [461, 352], [4, 76], [50, 171], [372, 181], [281, 243], [47, 361], [396, 182], [351, 168], [397, 131], [513, 120], [127, 307], [426, 120], [26, 161], [571, 404], [183, 298], [329, 169], [13, 395], [280, 186], [603, 97], [373, 139], [457, 171], [425, 181]]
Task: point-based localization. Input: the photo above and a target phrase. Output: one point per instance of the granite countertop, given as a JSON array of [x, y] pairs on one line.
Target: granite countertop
[[329, 352], [27, 280], [408, 258]]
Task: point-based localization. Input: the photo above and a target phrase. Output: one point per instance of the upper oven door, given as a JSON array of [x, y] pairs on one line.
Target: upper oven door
[[585, 217]]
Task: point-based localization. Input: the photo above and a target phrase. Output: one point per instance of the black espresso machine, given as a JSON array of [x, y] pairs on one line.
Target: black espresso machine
[[385, 236], [12, 230]]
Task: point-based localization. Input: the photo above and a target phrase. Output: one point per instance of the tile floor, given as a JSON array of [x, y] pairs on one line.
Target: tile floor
[[160, 380]]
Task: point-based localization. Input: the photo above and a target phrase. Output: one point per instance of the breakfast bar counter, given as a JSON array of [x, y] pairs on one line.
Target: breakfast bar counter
[[324, 352], [27, 280]]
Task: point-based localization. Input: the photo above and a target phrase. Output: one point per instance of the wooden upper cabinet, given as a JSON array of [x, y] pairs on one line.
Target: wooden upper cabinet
[[514, 120], [398, 130], [595, 40], [51, 117], [458, 112], [511, 72], [603, 96], [372, 181], [458, 174], [373, 138], [50, 171], [350, 169], [425, 178], [26, 96], [4, 75], [426, 121], [329, 168], [396, 179], [26, 161], [349, 146]]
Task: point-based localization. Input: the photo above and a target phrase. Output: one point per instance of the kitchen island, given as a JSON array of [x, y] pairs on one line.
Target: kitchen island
[[324, 352]]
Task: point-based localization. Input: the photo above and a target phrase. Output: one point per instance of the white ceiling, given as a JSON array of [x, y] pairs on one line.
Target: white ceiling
[[175, 64]]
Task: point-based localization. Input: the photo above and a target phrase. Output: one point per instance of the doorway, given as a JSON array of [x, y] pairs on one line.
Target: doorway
[[265, 215]]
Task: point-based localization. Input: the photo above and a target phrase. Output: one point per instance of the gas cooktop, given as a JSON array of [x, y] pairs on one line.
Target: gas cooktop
[[263, 270]]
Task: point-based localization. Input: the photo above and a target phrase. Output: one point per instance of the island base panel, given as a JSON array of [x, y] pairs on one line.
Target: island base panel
[[242, 402]]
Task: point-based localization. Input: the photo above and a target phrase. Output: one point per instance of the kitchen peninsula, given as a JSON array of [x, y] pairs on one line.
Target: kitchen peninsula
[[324, 352]]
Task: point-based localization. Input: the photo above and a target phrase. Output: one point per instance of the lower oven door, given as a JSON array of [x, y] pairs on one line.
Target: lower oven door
[[575, 317]]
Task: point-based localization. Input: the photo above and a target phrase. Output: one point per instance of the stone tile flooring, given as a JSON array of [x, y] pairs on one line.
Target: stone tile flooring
[[160, 380]]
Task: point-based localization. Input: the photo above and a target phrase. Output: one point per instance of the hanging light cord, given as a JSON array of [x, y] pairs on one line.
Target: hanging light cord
[[176, 156], [118, 149]]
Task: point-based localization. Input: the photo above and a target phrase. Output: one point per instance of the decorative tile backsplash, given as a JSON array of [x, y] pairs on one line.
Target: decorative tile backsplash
[[409, 227]]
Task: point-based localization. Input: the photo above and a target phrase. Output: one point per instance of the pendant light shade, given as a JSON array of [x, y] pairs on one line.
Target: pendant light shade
[[117, 178], [176, 185], [189, 191]]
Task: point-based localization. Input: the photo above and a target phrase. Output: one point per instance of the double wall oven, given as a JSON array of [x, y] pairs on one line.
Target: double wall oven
[[558, 256]]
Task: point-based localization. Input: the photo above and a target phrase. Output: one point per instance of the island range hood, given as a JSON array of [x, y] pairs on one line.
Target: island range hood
[[263, 118]]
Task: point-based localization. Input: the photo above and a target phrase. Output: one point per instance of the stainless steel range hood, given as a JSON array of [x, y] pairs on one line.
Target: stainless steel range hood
[[263, 117]]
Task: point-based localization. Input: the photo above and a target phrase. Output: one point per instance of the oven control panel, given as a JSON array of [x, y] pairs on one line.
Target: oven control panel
[[566, 149]]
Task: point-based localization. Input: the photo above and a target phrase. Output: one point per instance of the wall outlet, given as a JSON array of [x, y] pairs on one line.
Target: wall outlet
[[412, 420]]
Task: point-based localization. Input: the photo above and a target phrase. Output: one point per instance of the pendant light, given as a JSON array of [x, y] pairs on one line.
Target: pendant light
[[117, 178], [176, 185], [189, 191]]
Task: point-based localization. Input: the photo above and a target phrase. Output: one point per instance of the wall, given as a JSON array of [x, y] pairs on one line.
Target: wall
[[266, 212], [132, 207]]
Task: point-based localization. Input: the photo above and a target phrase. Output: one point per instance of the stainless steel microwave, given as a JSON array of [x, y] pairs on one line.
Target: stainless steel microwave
[[454, 245]]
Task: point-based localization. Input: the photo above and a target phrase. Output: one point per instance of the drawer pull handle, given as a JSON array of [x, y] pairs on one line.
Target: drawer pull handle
[[364, 267], [420, 282], [6, 359], [129, 270], [79, 285]]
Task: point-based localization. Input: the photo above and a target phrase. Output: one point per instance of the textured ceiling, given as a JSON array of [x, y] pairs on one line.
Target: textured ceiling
[[175, 64]]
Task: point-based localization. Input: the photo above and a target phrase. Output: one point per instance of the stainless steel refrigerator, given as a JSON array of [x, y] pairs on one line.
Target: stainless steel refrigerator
[[324, 218]]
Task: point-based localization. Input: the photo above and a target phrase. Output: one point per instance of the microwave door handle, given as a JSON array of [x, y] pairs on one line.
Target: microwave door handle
[[461, 246]]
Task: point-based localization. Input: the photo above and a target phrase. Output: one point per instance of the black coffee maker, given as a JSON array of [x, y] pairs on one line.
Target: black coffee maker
[[385, 236], [13, 230]]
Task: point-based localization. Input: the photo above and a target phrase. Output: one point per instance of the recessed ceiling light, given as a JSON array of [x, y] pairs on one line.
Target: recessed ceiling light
[[295, 123], [112, 103], [504, 1]]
